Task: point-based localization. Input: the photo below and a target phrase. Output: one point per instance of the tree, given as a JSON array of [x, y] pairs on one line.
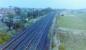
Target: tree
[[8, 20]]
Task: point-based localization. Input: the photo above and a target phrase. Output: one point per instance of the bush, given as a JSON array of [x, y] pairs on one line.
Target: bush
[[61, 47], [4, 37]]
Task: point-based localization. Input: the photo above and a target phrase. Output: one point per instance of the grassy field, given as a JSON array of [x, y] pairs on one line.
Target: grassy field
[[70, 40], [72, 22]]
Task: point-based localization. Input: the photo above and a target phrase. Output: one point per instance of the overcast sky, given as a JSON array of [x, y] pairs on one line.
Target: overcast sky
[[69, 4]]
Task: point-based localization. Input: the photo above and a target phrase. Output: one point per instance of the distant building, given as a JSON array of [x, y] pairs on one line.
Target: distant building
[[1, 16], [17, 19]]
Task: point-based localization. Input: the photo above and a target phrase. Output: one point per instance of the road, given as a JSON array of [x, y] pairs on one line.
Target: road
[[34, 37]]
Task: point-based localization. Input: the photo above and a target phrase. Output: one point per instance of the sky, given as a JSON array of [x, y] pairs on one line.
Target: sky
[[61, 4]]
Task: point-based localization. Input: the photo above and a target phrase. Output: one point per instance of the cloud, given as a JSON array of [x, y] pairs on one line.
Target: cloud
[[72, 4]]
